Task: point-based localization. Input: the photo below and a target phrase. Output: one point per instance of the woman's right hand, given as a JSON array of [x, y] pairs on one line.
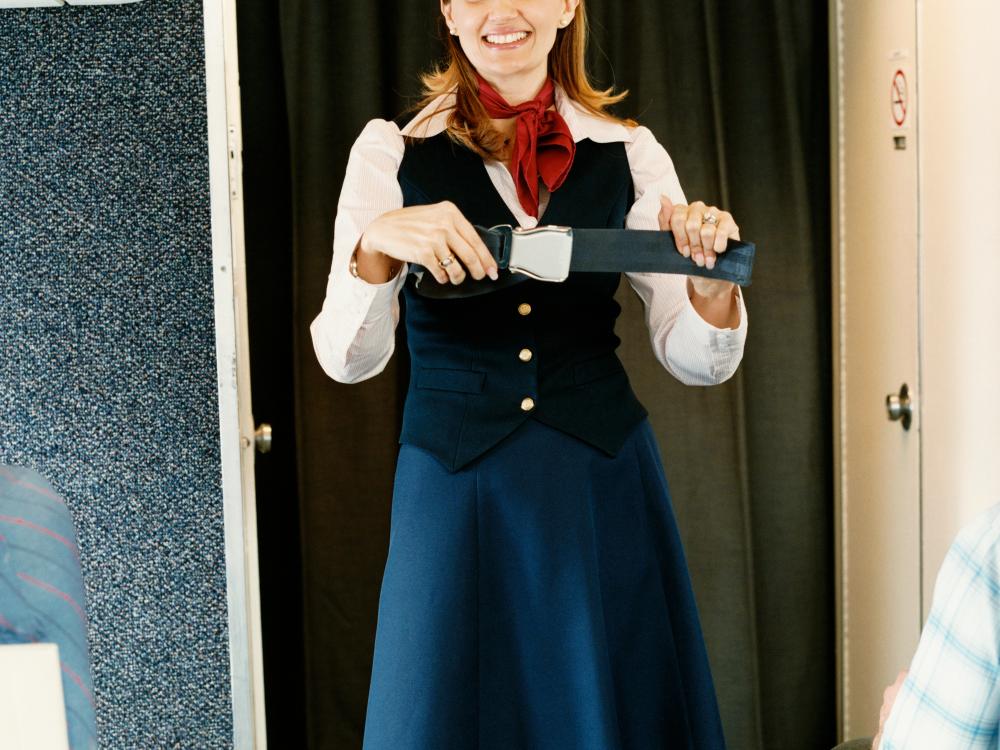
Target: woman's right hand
[[428, 234]]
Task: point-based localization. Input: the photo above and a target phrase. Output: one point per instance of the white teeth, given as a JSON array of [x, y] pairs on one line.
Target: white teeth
[[506, 38]]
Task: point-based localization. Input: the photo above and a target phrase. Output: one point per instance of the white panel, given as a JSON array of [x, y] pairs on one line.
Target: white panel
[[30, 3], [876, 338], [32, 712], [58, 3], [100, 2], [232, 351], [960, 241]]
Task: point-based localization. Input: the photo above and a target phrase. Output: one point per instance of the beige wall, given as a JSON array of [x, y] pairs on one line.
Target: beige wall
[[876, 339], [915, 273], [960, 272]]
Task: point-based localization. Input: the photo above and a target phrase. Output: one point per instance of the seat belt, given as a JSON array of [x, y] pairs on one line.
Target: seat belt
[[551, 253]]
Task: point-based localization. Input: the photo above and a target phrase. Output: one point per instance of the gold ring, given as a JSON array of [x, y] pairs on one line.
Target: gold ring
[[710, 219], [445, 262]]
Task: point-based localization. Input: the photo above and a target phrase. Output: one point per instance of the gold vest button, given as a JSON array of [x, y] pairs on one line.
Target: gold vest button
[[524, 355], [524, 308], [527, 404]]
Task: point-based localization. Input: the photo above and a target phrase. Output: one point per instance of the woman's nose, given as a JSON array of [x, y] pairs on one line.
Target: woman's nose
[[502, 9]]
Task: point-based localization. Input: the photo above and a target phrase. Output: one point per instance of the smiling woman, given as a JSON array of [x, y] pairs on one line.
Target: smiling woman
[[536, 592], [509, 47], [482, 43], [748, 461]]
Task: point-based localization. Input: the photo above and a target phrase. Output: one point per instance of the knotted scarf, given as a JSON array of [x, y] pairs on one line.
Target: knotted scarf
[[543, 144]]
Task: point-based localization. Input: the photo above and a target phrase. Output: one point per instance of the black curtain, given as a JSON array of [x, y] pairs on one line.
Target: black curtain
[[267, 188], [738, 94]]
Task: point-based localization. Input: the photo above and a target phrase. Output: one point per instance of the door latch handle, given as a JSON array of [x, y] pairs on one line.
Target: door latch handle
[[899, 407], [262, 438]]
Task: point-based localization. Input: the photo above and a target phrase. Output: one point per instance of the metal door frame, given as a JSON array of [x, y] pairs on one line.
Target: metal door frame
[[236, 429]]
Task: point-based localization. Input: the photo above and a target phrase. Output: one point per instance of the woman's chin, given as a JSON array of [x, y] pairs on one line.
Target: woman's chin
[[496, 71]]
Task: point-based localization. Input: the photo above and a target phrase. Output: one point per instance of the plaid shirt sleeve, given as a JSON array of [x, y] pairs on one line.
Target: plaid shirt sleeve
[[951, 697]]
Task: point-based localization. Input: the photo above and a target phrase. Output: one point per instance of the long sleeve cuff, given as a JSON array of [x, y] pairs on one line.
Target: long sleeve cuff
[[354, 333], [701, 354], [355, 314]]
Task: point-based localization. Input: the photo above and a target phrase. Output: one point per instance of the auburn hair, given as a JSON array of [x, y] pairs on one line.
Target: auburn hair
[[469, 123]]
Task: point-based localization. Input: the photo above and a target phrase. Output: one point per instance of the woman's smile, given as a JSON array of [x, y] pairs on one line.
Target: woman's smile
[[505, 41]]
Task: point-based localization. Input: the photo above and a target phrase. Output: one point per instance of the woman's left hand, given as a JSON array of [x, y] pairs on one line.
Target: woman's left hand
[[700, 240]]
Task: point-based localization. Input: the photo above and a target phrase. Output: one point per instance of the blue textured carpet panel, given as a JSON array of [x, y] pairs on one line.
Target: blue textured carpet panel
[[107, 349]]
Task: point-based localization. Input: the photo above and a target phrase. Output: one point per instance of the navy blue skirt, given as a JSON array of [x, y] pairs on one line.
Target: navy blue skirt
[[538, 598]]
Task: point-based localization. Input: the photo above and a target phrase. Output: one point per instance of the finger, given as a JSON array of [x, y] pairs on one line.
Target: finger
[[452, 272], [429, 260], [727, 228], [708, 236], [454, 269], [441, 241], [677, 221], [692, 226], [666, 211], [462, 240], [456, 274], [463, 250], [486, 262]]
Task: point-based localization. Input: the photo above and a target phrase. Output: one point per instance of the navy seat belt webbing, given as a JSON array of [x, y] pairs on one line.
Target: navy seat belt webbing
[[600, 250]]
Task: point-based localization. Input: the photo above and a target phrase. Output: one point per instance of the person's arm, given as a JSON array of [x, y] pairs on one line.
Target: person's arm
[[888, 701], [950, 700], [685, 342], [354, 334]]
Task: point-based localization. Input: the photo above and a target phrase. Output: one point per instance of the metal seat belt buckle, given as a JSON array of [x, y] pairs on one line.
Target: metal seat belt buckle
[[543, 253]]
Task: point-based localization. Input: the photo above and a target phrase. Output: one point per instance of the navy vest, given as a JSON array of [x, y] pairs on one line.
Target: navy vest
[[469, 378]]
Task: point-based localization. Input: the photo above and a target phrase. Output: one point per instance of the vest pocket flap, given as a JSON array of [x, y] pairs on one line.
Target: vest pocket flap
[[439, 379], [596, 368]]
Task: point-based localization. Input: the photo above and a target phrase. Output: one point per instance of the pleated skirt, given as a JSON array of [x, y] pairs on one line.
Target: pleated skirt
[[538, 598]]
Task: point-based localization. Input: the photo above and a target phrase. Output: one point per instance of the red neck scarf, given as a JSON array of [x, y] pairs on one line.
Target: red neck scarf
[[543, 146]]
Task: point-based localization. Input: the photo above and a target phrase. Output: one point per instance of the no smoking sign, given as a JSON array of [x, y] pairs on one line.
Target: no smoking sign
[[899, 98]]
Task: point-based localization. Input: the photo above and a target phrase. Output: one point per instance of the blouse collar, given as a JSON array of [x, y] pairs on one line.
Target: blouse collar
[[582, 123]]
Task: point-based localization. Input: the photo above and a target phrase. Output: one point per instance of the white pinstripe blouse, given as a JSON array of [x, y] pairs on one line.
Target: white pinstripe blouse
[[354, 333]]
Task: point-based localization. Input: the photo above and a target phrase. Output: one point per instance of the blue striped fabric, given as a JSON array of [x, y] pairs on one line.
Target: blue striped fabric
[[41, 589], [951, 697]]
